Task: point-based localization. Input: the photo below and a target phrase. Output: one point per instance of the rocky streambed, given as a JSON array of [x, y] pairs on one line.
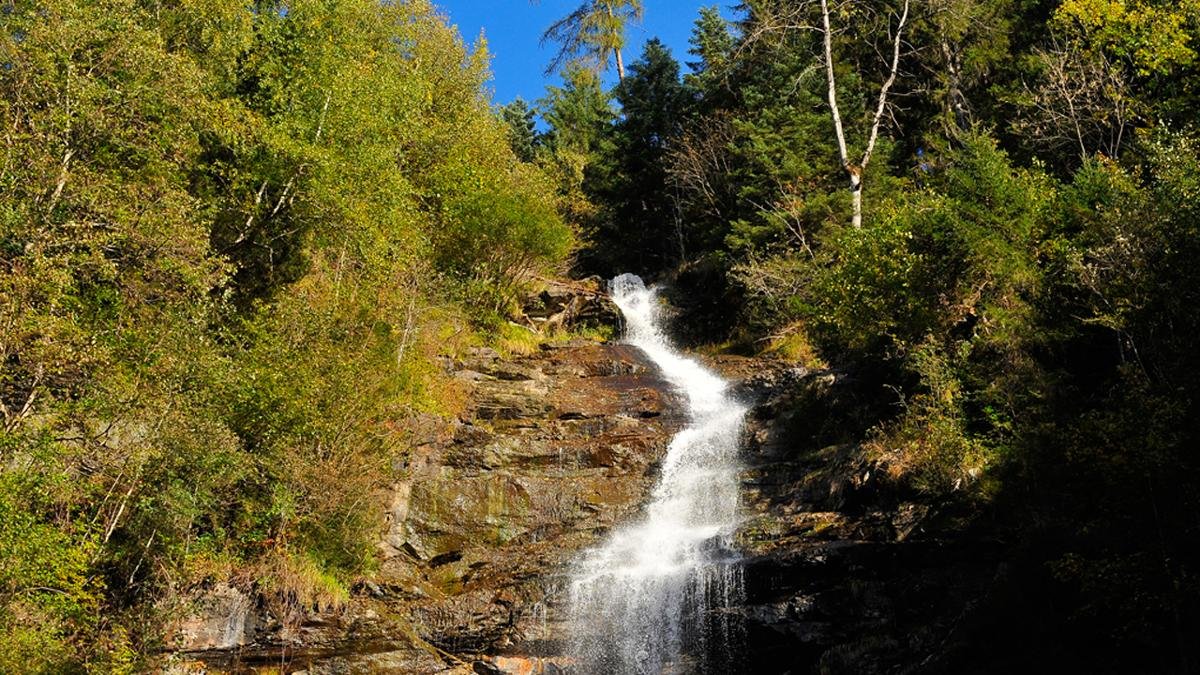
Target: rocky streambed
[[844, 570]]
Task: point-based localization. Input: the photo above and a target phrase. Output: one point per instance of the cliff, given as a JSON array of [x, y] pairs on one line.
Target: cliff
[[553, 448], [845, 569]]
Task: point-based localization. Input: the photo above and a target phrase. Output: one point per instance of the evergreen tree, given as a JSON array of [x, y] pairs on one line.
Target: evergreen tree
[[520, 119], [579, 112], [1017, 306], [580, 116], [712, 44], [638, 229], [592, 34]]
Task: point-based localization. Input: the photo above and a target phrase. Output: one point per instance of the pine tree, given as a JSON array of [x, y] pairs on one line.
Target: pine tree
[[712, 44], [640, 228], [579, 112]]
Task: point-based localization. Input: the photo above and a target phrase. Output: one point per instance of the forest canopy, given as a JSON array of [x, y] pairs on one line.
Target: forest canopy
[[234, 237], [237, 237], [982, 212]]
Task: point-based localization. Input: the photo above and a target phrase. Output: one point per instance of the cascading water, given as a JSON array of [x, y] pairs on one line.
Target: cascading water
[[651, 598]]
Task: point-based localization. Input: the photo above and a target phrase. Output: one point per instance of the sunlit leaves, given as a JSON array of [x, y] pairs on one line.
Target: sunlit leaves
[[233, 241]]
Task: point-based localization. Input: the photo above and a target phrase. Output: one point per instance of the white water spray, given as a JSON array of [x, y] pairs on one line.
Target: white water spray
[[650, 599]]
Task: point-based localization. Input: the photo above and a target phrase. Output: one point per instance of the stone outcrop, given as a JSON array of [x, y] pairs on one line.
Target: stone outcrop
[[556, 448], [224, 618], [571, 303], [847, 569], [552, 450]]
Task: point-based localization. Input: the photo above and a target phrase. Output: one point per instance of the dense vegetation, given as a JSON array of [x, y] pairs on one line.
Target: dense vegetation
[[233, 239], [1017, 307]]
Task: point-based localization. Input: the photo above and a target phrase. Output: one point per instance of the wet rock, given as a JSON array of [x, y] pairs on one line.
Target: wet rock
[[494, 516], [846, 569], [503, 370], [223, 617], [907, 518]]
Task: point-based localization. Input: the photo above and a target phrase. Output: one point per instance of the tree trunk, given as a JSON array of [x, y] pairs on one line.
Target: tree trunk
[[836, 115], [856, 199], [856, 171], [617, 50]]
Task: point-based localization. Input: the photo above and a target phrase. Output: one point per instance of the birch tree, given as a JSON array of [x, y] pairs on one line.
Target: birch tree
[[854, 171], [772, 18]]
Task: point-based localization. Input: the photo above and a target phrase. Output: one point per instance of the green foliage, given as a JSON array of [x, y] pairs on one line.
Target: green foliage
[[882, 293], [931, 443], [579, 114], [45, 591], [522, 133], [497, 233], [1153, 36], [233, 241], [638, 228], [960, 255], [592, 34], [1016, 316]]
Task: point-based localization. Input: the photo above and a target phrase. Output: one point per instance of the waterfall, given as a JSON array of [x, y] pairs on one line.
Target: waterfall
[[652, 597]]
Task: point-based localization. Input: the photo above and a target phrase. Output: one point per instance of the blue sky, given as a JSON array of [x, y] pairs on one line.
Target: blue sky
[[514, 29]]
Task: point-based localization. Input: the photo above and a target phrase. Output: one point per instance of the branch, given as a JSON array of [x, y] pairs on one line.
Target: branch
[[887, 85], [567, 33], [250, 218], [10, 420], [321, 119], [63, 173]]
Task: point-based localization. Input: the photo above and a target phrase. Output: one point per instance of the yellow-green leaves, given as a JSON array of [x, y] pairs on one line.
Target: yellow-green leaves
[[1154, 36], [233, 242]]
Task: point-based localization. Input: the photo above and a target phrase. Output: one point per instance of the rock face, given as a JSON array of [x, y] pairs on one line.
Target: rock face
[[553, 449], [557, 447], [225, 618], [846, 570]]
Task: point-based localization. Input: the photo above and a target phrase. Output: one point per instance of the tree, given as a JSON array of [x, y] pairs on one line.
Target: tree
[[580, 117], [712, 44], [518, 117], [1080, 100], [774, 18], [592, 34], [638, 229], [578, 113], [965, 44], [754, 165], [222, 226], [1107, 68], [855, 170]]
